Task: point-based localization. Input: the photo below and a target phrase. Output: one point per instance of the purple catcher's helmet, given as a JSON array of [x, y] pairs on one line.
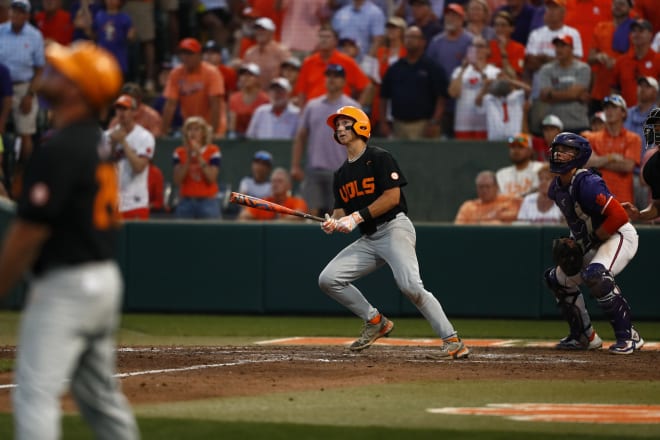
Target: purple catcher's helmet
[[580, 144]]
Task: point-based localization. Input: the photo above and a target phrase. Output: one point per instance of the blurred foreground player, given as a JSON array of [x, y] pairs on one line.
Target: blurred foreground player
[[65, 231], [601, 244], [367, 191]]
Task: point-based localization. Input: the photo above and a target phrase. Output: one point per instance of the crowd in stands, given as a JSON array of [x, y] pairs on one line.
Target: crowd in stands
[[513, 71]]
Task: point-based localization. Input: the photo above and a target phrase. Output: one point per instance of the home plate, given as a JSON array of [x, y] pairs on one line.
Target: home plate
[[427, 342]]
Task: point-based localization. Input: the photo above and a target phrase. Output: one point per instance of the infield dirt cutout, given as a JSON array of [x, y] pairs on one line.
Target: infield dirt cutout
[[185, 373]]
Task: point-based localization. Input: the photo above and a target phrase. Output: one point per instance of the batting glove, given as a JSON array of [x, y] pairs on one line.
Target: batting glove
[[348, 223], [329, 225]]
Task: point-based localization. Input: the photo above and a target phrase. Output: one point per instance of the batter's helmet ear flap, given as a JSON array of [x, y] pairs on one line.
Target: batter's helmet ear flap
[[362, 125]]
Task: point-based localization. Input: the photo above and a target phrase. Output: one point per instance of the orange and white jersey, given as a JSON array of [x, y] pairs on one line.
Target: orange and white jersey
[[134, 187]]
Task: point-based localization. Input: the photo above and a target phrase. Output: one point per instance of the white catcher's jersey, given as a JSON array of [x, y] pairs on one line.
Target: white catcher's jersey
[[134, 188]]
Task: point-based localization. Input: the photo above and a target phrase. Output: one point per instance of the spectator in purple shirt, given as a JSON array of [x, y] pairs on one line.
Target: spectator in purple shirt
[[113, 30]]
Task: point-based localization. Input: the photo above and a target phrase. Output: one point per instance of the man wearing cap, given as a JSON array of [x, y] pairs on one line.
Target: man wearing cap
[[364, 22], [22, 51], [145, 115], [279, 118], [65, 234], [551, 126], [616, 151], [268, 54], [521, 177], [610, 39], [133, 147], [196, 85], [640, 60], [323, 154], [447, 50], [290, 69], [257, 184], [563, 84], [311, 79], [647, 98]]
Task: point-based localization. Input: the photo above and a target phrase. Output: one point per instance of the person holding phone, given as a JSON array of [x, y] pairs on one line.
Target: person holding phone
[[466, 82]]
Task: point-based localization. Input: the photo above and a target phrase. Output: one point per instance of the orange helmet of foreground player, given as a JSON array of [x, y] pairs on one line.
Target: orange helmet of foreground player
[[361, 127], [93, 69]]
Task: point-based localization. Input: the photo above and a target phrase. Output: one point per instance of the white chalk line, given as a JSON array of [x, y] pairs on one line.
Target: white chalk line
[[474, 358]]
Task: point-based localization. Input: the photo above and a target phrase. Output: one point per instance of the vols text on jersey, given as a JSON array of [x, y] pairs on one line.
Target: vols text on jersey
[[355, 189]]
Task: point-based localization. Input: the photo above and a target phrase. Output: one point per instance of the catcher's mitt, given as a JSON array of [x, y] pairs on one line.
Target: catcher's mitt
[[567, 254]]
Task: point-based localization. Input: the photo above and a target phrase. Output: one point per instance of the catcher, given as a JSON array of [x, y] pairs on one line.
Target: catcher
[[602, 242]]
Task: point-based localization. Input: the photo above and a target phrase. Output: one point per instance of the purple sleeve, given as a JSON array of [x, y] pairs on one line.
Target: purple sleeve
[[594, 194]]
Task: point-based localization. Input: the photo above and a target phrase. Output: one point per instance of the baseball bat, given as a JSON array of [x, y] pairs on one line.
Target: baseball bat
[[257, 203]]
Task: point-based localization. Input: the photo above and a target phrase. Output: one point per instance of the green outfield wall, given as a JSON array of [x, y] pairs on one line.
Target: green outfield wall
[[262, 268], [440, 173]]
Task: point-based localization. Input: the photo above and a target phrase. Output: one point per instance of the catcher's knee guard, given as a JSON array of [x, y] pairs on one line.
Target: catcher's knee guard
[[599, 280], [550, 277], [570, 304]]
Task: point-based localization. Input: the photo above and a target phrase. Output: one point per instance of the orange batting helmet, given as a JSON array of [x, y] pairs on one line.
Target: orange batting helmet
[[93, 69], [361, 127]]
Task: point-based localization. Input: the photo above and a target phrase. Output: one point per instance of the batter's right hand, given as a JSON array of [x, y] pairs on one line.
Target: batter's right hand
[[329, 225]]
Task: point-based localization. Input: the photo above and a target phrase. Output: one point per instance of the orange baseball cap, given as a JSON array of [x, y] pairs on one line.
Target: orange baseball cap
[[521, 139], [556, 2], [126, 101], [565, 39], [191, 45], [456, 8]]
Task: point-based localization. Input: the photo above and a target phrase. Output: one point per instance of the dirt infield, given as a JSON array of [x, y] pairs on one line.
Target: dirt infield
[[167, 374]]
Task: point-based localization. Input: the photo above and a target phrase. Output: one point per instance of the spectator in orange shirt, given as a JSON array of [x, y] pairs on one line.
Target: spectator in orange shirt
[[281, 186], [311, 80], [583, 14], [641, 60], [268, 54], [490, 207], [610, 39], [616, 151], [505, 53], [196, 85], [196, 169], [245, 101], [145, 115], [54, 22]]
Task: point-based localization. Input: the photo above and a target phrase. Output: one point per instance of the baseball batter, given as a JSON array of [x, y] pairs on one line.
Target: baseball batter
[[367, 192], [606, 243], [65, 234]]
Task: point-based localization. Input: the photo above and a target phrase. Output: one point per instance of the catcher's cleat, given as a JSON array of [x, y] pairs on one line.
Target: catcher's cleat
[[371, 331], [592, 342], [628, 346], [453, 348]]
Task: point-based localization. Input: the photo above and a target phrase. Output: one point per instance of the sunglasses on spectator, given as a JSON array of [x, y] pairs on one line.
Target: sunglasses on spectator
[[520, 141]]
